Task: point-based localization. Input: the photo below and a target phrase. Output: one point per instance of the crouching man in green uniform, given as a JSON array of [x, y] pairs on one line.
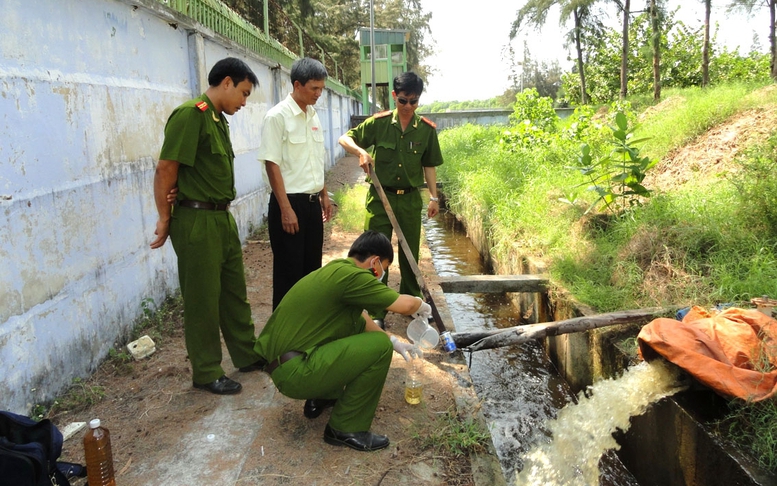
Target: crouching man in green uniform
[[197, 158], [405, 151], [323, 347]]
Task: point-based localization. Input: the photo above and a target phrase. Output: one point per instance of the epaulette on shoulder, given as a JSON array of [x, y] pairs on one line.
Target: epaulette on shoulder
[[382, 114], [201, 105], [428, 122]]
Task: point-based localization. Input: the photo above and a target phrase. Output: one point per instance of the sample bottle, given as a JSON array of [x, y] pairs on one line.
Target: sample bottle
[[413, 385], [99, 458]]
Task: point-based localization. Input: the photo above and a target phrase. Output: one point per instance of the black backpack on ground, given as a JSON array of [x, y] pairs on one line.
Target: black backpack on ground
[[29, 451]]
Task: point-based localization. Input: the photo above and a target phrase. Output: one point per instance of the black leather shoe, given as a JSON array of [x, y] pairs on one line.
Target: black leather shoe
[[258, 366], [316, 406], [222, 386], [361, 441], [380, 323]]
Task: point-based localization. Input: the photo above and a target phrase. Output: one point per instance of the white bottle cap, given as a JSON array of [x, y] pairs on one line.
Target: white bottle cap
[[94, 423]]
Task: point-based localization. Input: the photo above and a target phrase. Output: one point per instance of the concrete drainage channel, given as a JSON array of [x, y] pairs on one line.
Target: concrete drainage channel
[[521, 388]]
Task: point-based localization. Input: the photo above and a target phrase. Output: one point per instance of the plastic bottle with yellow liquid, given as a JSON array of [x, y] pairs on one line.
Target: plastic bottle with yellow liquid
[[99, 457], [413, 385]]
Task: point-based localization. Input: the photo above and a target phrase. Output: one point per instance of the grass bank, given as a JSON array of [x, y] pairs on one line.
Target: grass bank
[[579, 195]]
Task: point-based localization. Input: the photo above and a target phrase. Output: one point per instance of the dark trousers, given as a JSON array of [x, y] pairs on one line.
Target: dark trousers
[[294, 256]]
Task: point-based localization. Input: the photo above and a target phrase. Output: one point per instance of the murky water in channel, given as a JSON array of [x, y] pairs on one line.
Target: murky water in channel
[[519, 387], [582, 433]]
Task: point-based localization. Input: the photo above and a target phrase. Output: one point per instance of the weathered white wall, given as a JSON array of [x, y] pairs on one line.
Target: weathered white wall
[[86, 87]]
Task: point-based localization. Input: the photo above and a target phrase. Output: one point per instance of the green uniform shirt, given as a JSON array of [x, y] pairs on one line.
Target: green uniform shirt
[[323, 306], [399, 157], [198, 139]]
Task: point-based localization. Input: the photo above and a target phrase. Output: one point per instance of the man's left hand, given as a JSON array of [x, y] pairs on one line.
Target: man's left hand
[[172, 195], [326, 206]]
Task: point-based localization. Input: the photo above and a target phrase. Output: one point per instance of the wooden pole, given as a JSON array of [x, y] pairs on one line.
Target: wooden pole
[[496, 338], [406, 248]]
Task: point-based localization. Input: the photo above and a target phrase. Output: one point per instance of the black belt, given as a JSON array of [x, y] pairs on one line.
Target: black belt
[[272, 365], [203, 205], [310, 197], [394, 190]]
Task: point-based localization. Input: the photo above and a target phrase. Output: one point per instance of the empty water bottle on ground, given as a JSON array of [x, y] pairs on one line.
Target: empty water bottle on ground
[[99, 458]]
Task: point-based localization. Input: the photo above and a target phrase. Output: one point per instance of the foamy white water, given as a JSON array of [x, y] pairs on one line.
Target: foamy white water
[[582, 432]]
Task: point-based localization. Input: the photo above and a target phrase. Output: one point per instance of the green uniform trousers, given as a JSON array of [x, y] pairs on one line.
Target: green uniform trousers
[[407, 209], [210, 272], [351, 370]]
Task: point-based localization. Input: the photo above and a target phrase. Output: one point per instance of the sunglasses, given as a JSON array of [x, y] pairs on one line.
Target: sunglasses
[[404, 101]]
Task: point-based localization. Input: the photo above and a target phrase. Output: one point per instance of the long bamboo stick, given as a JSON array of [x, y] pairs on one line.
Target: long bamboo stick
[[406, 249], [477, 341]]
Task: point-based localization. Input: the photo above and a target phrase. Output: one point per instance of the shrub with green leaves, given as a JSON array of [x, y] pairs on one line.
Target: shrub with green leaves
[[538, 110], [533, 122], [615, 177]]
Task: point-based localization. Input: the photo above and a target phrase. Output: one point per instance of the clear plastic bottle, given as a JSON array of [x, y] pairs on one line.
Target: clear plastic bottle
[[413, 385], [99, 458]]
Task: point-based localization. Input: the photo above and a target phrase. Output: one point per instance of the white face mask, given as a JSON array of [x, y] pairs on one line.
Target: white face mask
[[382, 272]]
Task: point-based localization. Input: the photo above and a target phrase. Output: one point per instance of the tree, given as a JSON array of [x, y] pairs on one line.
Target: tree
[[626, 11], [408, 15], [748, 6], [656, 45], [535, 12], [333, 25], [705, 55]]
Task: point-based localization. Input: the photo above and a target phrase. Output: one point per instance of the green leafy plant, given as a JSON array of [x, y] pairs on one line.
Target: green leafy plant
[[753, 428], [38, 412], [79, 396], [533, 121], [159, 322], [617, 177], [538, 110], [454, 435]]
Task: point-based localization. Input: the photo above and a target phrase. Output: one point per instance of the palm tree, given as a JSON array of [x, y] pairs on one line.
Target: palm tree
[[535, 12]]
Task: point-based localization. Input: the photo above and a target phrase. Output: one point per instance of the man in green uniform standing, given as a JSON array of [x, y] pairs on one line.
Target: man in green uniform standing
[[323, 347], [197, 158], [405, 151]]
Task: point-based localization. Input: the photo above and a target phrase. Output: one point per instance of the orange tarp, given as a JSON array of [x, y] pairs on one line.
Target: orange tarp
[[727, 351]]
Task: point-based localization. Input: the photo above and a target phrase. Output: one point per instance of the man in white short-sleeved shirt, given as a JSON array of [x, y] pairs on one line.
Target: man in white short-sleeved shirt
[[293, 153]]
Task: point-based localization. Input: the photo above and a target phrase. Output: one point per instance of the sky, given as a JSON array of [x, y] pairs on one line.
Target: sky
[[471, 40]]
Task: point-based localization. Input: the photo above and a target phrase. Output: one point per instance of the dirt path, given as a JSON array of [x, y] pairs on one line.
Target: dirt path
[[160, 424]]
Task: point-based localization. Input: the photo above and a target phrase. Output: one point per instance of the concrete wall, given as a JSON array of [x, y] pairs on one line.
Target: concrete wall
[[86, 87]]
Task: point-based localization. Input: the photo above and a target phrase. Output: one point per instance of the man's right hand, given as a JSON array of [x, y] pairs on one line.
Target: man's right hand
[[162, 232], [365, 160], [406, 350], [289, 221]]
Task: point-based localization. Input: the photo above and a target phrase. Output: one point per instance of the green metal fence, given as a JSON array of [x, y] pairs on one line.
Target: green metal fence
[[223, 20]]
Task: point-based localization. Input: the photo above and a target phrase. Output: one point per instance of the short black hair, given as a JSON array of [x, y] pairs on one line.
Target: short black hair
[[371, 243], [305, 69], [409, 83], [237, 70]]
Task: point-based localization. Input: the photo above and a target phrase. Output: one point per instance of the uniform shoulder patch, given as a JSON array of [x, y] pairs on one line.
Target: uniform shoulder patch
[[201, 105], [382, 114], [428, 122]]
